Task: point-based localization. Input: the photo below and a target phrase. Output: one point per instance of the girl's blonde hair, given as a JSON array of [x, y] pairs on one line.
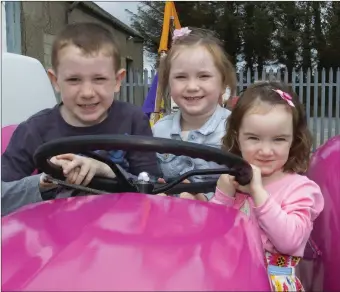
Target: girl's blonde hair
[[205, 38], [299, 154]]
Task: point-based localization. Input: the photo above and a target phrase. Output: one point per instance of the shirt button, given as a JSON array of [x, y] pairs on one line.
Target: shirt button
[[192, 137], [189, 163]]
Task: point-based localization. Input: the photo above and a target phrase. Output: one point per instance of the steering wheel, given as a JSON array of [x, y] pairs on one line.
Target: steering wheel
[[86, 145]]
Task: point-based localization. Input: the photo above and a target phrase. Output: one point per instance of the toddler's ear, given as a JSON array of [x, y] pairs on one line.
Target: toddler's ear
[[53, 78]]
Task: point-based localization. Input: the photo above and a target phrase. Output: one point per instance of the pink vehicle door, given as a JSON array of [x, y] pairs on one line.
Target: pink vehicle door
[[6, 134], [130, 242], [325, 171]]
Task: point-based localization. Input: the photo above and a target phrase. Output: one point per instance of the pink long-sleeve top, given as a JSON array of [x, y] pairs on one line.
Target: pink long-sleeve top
[[286, 217]]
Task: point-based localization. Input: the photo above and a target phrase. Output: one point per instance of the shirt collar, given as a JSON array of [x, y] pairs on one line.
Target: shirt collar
[[209, 127]]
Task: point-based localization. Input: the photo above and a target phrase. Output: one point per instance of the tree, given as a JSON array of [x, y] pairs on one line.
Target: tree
[[290, 34], [306, 35], [286, 35], [331, 57], [257, 31]]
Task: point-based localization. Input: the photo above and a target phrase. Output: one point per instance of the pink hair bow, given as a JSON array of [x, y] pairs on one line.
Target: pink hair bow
[[285, 96], [180, 33]]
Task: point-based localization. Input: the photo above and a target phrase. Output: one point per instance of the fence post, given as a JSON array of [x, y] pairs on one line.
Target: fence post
[[240, 82], [286, 76], [294, 79], [308, 113], [146, 83], [301, 86], [323, 87], [248, 78], [271, 74], [256, 75], [330, 104], [337, 103], [130, 89], [315, 109]]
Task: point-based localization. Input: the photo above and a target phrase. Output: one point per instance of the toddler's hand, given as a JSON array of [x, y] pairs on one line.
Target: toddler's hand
[[226, 183], [255, 184], [255, 187]]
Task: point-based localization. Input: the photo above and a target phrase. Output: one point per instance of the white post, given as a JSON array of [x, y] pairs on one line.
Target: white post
[[3, 24]]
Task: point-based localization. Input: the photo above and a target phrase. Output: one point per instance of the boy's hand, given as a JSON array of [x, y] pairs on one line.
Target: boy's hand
[[44, 184], [80, 170], [226, 183]]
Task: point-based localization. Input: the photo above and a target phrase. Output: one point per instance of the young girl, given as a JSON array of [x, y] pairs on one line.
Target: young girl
[[268, 128], [196, 73]]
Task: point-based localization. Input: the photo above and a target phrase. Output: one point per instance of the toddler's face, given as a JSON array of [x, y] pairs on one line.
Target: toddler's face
[[87, 84], [265, 137], [195, 82]]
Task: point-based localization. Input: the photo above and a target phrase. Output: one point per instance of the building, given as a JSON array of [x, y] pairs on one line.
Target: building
[[41, 21], [32, 25]]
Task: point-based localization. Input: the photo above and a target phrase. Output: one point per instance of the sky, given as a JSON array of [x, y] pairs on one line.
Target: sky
[[117, 9]]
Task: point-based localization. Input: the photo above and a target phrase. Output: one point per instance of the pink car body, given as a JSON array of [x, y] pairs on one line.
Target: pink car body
[[120, 242], [129, 241], [325, 171]]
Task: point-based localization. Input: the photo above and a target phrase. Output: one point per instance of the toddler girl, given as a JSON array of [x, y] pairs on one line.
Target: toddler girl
[[268, 128]]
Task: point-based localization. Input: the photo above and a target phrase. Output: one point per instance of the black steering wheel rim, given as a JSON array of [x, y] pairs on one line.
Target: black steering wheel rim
[[84, 144]]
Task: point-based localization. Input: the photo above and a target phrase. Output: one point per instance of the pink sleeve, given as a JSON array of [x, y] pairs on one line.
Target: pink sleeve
[[222, 198], [288, 226]]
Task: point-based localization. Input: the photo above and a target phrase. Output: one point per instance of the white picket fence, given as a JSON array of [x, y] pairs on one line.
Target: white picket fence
[[319, 91]]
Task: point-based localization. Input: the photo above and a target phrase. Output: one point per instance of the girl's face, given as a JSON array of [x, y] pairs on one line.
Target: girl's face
[[195, 82], [265, 137]]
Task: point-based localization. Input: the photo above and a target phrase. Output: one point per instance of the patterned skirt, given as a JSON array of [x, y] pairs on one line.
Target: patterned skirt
[[281, 272]]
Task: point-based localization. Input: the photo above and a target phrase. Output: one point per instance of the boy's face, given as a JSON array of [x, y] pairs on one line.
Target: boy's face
[[86, 84]]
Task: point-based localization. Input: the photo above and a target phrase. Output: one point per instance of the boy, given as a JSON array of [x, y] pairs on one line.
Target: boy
[[86, 71]]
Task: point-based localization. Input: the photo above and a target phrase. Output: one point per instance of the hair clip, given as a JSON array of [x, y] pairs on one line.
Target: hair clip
[[180, 33], [285, 96]]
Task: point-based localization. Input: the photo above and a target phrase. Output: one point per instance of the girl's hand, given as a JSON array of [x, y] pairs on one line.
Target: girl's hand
[[255, 187], [80, 170], [189, 196], [255, 183], [226, 184], [185, 195]]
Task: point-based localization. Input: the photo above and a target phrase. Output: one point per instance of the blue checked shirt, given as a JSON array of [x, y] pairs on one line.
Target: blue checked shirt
[[209, 134]]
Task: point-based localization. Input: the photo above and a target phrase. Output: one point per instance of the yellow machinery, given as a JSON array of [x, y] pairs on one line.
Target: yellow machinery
[[170, 21]]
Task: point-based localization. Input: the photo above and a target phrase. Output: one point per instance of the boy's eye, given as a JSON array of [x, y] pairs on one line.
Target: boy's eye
[[205, 76], [252, 138], [179, 77], [100, 78]]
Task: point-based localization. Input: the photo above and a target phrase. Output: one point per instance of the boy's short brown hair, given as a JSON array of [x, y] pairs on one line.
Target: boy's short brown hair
[[262, 91], [90, 38]]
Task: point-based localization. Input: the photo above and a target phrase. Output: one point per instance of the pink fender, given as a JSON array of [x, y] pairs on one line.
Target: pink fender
[[120, 242], [6, 135], [325, 171]]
